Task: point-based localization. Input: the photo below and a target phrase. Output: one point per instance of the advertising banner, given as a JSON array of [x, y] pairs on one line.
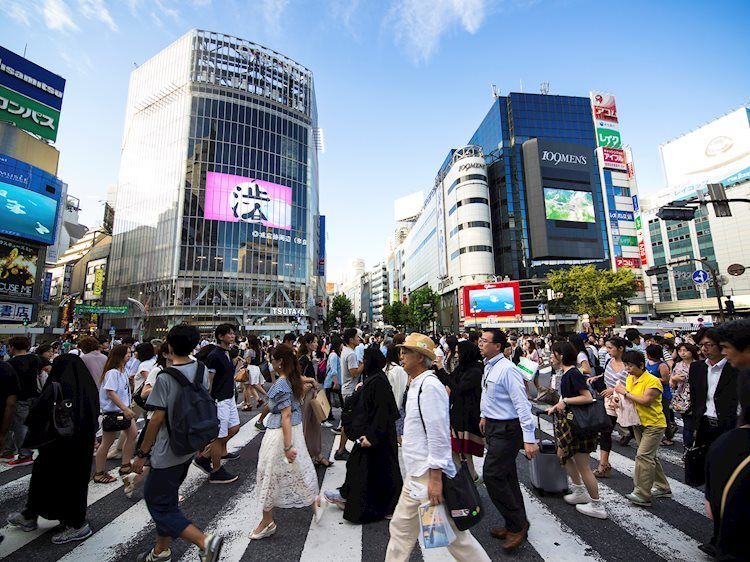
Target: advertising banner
[[27, 214], [638, 223], [614, 159], [608, 137], [47, 286], [603, 106], [642, 251], [98, 287], [95, 309], [626, 241], [492, 299], [710, 154], [621, 216], [632, 263], [18, 267], [30, 79], [568, 205], [28, 114], [239, 199], [15, 312]]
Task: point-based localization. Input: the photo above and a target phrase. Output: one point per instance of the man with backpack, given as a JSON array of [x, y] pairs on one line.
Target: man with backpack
[[184, 422]]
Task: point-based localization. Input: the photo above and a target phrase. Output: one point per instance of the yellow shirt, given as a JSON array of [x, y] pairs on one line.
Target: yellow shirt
[[651, 415]]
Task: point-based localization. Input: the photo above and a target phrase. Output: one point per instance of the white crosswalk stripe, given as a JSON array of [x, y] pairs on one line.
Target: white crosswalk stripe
[[557, 531]]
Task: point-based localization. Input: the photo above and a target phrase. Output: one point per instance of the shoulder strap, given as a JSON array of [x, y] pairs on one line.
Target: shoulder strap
[[419, 403], [177, 375], [199, 373], [729, 483]]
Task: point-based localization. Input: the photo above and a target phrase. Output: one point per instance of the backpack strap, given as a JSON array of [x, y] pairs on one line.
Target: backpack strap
[[177, 375], [735, 474]]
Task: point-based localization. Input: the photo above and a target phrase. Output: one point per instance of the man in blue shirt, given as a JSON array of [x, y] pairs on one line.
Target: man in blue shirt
[[508, 426]]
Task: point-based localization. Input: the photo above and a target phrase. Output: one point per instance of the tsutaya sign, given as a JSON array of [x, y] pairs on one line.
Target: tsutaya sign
[[281, 311], [557, 157]]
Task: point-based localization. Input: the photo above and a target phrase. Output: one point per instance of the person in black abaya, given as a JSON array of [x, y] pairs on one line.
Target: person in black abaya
[[373, 478], [60, 478], [465, 384]]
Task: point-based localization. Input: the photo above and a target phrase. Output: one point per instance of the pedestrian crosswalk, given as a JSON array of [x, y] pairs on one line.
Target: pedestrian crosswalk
[[671, 530]]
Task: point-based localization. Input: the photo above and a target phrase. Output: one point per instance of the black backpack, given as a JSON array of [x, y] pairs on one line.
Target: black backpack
[[192, 421], [353, 416]]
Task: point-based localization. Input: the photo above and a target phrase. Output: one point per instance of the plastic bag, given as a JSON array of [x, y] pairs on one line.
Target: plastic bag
[[528, 368], [434, 529]]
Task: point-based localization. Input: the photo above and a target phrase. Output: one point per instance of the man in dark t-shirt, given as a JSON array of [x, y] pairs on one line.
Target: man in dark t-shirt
[[221, 367], [27, 367]]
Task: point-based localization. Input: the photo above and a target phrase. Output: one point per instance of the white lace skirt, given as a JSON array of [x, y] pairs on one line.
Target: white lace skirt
[[283, 484]]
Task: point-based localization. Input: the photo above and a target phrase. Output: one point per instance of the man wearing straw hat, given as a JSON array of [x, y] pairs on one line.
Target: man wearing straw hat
[[426, 448]]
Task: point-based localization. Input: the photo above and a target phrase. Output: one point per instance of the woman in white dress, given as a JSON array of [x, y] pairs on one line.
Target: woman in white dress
[[286, 476]]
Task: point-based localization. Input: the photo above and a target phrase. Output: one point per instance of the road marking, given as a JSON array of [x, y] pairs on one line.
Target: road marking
[[107, 543], [347, 545], [15, 487], [683, 494]]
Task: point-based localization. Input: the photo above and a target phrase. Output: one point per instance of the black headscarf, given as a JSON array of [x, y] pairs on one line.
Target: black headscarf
[[77, 385], [373, 362], [468, 353]]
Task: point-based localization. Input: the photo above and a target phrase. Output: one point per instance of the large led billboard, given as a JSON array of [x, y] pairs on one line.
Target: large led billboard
[[18, 269], [492, 299], [568, 205], [232, 198], [29, 201], [30, 96]]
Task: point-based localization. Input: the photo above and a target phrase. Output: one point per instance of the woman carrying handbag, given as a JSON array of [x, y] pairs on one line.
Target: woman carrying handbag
[[573, 449]]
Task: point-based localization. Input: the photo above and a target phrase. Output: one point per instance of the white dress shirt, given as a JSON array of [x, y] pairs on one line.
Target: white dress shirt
[[431, 449], [713, 375], [504, 396]]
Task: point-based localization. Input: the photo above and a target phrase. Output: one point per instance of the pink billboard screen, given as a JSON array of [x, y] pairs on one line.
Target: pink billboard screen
[[239, 199]]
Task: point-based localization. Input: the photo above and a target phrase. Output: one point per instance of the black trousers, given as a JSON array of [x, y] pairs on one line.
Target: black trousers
[[504, 439]]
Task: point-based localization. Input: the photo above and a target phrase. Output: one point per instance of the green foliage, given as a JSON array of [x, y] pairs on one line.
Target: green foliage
[[341, 307], [396, 314], [423, 303], [592, 291]]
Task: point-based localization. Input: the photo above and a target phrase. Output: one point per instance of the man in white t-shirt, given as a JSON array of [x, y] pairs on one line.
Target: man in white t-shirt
[[351, 369]]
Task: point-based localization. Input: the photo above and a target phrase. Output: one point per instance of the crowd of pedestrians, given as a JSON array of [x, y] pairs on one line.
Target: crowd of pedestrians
[[429, 404]]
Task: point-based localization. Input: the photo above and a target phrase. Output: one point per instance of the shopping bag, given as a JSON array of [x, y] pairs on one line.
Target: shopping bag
[[320, 406], [462, 498], [434, 529], [528, 368]]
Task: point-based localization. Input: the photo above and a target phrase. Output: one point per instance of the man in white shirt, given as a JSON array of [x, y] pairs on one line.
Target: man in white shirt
[[508, 426], [426, 449]]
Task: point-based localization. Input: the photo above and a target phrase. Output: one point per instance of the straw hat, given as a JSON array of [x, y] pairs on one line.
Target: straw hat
[[421, 344]]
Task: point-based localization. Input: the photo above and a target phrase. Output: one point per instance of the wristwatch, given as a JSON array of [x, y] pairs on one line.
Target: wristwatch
[[141, 455]]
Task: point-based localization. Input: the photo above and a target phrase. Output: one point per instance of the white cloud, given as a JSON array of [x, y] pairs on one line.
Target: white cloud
[[57, 16], [344, 11], [272, 11], [420, 24], [96, 9], [16, 12]]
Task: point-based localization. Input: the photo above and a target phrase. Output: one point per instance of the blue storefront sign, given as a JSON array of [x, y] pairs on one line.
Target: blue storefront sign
[[47, 286], [621, 216], [31, 80], [635, 203]]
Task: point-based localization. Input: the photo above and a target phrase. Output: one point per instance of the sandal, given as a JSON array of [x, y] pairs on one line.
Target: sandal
[[322, 462], [667, 442], [125, 469], [104, 478], [603, 471]]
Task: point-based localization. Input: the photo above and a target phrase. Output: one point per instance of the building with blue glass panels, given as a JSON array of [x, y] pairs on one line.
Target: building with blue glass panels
[[511, 122]]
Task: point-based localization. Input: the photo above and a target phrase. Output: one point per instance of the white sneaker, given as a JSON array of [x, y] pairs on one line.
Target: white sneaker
[[595, 508], [327, 424], [578, 495]]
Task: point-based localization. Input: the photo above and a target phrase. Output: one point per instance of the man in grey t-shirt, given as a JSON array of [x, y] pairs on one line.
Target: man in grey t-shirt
[[351, 369]]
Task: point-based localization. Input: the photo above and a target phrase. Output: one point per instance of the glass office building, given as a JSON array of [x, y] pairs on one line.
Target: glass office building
[[216, 215], [512, 121]]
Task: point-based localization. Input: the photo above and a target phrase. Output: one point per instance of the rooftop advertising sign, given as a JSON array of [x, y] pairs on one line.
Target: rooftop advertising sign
[[30, 96], [29, 199], [239, 199], [710, 154], [492, 299], [603, 106], [614, 159]]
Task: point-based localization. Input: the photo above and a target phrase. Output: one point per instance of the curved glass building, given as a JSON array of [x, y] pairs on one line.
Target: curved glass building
[[216, 216]]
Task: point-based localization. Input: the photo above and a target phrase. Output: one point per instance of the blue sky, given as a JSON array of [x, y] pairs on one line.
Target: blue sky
[[399, 82]]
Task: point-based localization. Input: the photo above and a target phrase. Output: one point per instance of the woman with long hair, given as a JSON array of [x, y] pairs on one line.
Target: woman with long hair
[[465, 395], [115, 400], [286, 476], [687, 353], [573, 450], [373, 478], [332, 381], [310, 424], [451, 355]]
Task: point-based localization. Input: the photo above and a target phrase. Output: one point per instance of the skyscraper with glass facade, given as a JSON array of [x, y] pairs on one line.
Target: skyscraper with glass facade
[[216, 215]]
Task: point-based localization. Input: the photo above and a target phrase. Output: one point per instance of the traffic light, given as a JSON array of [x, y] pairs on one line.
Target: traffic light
[[658, 270], [676, 213], [25, 320], [718, 195]]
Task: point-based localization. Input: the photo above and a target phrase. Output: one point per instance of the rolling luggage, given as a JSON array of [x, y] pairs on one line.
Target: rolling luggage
[[546, 473]]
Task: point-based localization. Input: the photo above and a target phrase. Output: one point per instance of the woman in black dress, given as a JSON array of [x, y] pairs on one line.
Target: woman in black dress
[[373, 478], [465, 384], [62, 470]]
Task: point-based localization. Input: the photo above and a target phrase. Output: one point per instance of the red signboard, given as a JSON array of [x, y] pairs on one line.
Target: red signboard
[[492, 299], [614, 159], [604, 106], [642, 249], [632, 263]]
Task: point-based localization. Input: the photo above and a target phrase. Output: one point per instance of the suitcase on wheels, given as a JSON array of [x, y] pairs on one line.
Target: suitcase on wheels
[[546, 473]]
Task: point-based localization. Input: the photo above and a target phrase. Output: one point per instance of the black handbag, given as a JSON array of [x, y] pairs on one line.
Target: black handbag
[[588, 419], [695, 465], [115, 421], [138, 399], [462, 498]]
